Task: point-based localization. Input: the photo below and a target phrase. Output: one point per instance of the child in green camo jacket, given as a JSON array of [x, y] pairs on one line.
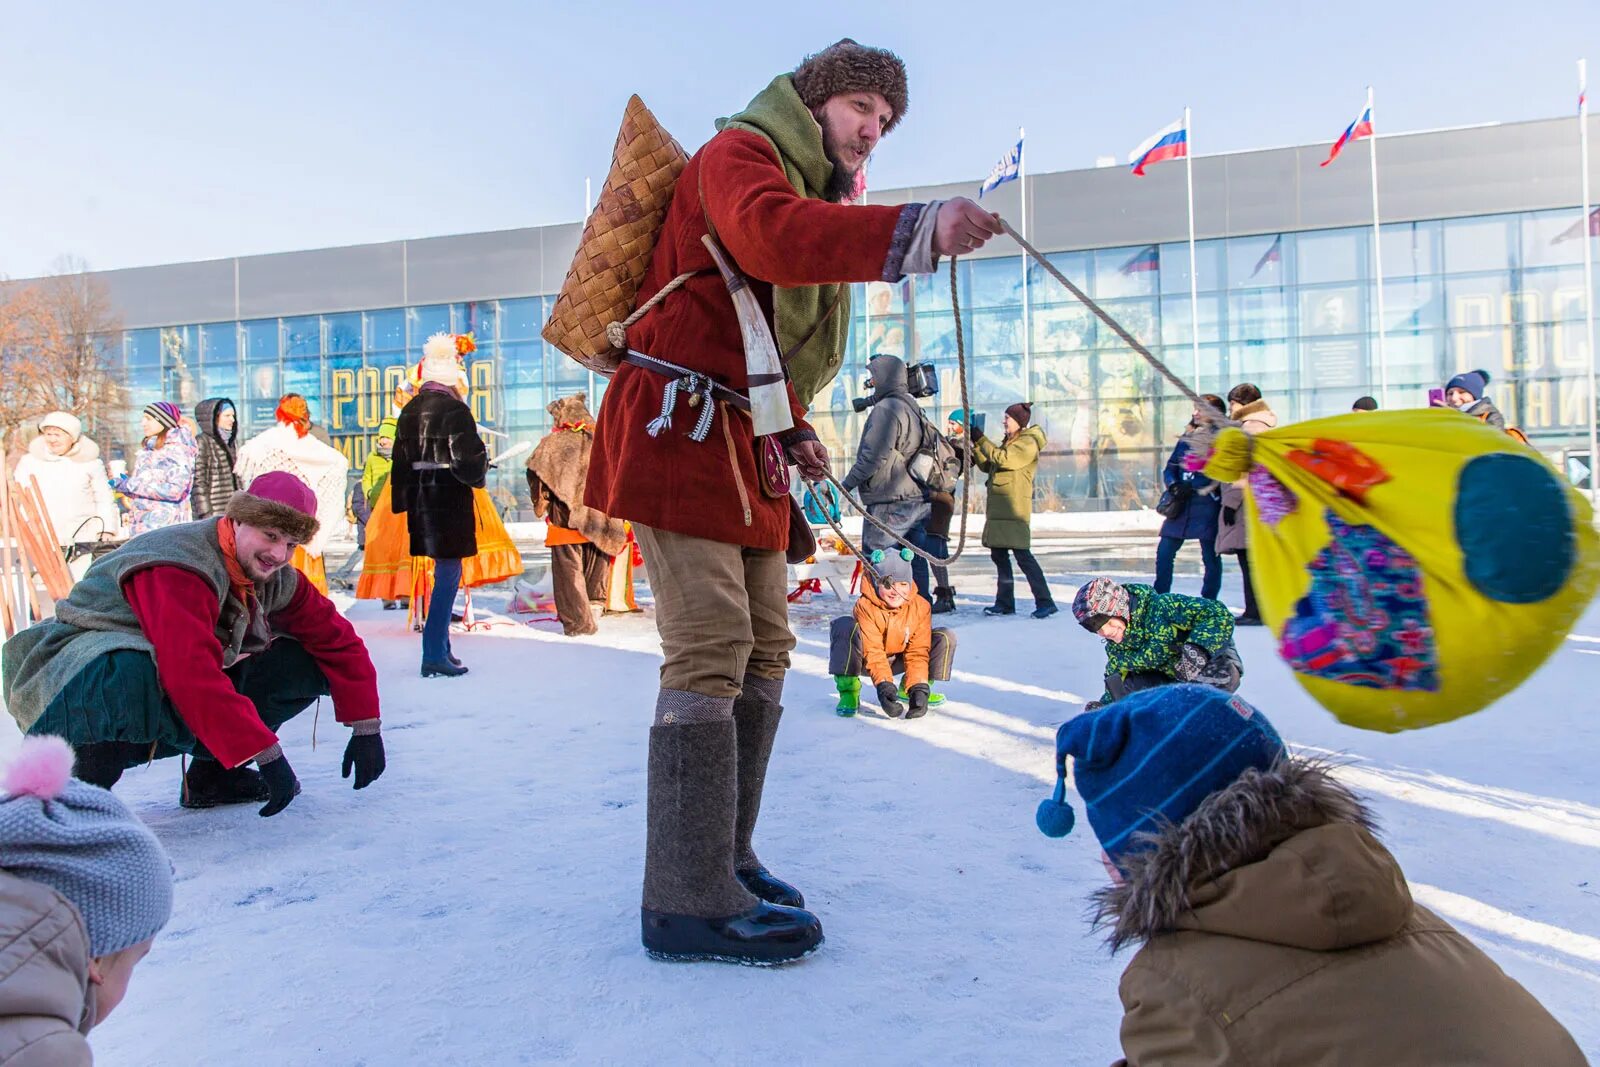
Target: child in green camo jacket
[[1158, 638]]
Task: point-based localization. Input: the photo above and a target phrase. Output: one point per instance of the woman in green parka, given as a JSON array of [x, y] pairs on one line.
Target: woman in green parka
[[1007, 529]]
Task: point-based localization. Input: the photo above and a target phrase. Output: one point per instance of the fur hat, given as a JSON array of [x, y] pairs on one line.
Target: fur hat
[[1150, 759], [82, 842], [64, 421], [1473, 382], [848, 67], [440, 360], [1100, 599], [278, 501]]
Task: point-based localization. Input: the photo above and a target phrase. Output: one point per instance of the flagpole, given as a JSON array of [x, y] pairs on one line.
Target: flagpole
[[1027, 323], [1194, 282], [1588, 274], [1377, 254]]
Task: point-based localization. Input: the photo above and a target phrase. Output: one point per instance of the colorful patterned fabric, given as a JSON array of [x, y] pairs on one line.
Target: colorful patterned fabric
[[1365, 621], [159, 486], [1099, 599]]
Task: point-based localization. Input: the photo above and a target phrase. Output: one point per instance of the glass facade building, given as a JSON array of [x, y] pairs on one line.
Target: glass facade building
[[1482, 269], [1293, 312]]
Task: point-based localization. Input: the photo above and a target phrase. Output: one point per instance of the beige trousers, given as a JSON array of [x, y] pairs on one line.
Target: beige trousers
[[722, 611]]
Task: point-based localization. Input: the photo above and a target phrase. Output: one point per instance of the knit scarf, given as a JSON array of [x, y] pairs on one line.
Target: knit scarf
[[576, 427], [240, 584], [778, 115]]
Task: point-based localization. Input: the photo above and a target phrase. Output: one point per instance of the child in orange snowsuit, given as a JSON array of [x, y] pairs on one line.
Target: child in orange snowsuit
[[890, 630]]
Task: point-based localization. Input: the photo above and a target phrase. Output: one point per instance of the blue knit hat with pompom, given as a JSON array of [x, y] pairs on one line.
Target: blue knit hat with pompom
[[1150, 758]]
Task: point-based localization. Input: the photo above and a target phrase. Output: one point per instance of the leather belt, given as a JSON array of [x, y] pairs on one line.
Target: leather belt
[[674, 372]]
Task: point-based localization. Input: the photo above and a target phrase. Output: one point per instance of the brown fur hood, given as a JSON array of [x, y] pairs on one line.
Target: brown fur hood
[[559, 468], [1235, 827]]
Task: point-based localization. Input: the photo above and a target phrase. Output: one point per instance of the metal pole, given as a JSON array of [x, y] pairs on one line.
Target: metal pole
[[1377, 256], [1027, 323], [1588, 273], [1194, 282]]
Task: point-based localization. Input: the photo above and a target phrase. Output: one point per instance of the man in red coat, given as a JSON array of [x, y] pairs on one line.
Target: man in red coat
[[201, 639], [678, 457]]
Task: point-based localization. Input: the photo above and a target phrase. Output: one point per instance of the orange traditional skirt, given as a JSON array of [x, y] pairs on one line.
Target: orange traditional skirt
[[389, 571], [312, 567]]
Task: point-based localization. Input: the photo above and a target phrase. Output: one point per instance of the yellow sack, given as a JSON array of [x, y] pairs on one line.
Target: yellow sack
[[1415, 566]]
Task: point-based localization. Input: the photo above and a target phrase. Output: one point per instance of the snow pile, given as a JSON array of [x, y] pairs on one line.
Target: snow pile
[[479, 904]]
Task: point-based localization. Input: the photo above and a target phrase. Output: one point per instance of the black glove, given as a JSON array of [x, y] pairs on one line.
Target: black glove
[[365, 754], [282, 785], [1192, 660], [1230, 515], [919, 700], [889, 700]]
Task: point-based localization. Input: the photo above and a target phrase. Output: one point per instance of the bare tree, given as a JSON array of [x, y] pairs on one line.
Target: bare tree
[[57, 350]]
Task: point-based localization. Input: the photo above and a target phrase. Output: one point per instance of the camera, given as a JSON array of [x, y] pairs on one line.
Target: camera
[[922, 381]]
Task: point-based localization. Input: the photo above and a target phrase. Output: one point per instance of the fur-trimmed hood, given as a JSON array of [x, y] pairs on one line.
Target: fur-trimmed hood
[[1225, 851], [1255, 417], [559, 468], [83, 450]]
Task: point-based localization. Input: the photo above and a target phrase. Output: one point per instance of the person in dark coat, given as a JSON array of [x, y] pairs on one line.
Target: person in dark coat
[[1198, 519], [880, 475], [942, 511], [438, 460], [214, 479], [1465, 392]]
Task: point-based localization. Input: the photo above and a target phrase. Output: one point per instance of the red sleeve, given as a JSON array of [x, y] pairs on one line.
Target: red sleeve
[[177, 611], [779, 236], [311, 619]]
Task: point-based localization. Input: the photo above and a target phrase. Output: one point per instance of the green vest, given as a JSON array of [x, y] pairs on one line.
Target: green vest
[[96, 618], [778, 115]]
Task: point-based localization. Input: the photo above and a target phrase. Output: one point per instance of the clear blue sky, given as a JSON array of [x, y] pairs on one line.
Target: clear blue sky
[[135, 133]]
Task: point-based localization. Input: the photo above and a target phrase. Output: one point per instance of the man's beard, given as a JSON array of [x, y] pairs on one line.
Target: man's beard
[[841, 187]]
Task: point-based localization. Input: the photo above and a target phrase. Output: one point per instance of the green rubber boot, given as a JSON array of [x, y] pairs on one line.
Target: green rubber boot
[[849, 694], [934, 699]]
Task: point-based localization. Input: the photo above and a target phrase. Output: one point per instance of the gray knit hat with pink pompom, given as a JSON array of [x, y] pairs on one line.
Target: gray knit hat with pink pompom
[[85, 844]]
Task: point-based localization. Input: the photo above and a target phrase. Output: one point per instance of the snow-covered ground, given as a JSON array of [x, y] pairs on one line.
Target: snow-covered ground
[[479, 904]]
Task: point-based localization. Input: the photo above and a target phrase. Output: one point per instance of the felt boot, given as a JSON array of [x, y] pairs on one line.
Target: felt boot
[[207, 784], [755, 720], [849, 694], [944, 599], [694, 908]]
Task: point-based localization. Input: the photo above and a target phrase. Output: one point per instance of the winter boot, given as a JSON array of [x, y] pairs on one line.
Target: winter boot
[[1045, 610], [849, 694], [944, 599], [934, 699], [694, 908], [208, 784], [755, 720], [102, 762]]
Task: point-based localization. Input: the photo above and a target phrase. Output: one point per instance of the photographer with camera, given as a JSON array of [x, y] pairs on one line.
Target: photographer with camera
[[881, 477]]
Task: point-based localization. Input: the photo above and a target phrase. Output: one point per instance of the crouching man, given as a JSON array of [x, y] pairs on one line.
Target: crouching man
[[200, 639]]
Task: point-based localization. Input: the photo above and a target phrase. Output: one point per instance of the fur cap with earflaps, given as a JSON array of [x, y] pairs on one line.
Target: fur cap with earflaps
[[848, 67], [277, 501]]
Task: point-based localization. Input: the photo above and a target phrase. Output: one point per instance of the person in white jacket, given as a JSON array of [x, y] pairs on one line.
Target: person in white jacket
[[288, 445], [73, 481]]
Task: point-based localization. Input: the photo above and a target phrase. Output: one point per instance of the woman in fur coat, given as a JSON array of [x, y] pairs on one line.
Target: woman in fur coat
[[1273, 926], [72, 477], [582, 541], [289, 446]]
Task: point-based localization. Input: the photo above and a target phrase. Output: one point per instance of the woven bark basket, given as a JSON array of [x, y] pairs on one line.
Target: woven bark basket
[[602, 284]]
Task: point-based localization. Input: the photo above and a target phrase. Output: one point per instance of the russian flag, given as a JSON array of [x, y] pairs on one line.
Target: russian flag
[[1360, 128], [1169, 142], [1148, 258]]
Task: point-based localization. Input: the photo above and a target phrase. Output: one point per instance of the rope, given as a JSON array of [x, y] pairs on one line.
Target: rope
[[617, 332], [966, 447], [1202, 409]]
